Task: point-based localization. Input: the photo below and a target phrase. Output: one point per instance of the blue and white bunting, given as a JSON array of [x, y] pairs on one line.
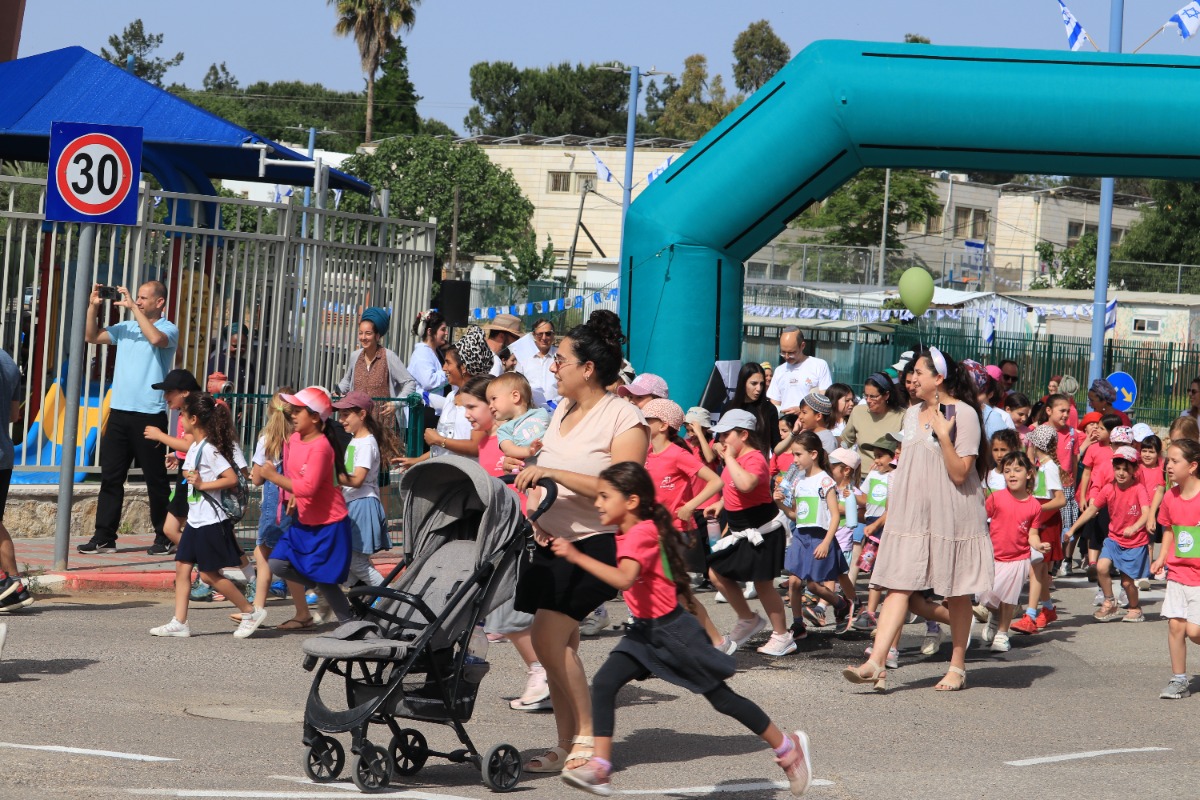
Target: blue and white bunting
[[1187, 20], [661, 168], [543, 306], [1075, 32]]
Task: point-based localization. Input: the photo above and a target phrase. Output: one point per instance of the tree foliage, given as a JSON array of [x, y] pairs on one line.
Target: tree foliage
[[422, 173], [916, 38], [395, 96], [134, 41], [758, 54], [1070, 268], [853, 215], [583, 100], [374, 25], [656, 102], [219, 79], [524, 263], [697, 105]]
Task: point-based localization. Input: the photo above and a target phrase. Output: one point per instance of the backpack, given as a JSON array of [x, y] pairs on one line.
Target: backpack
[[233, 501]]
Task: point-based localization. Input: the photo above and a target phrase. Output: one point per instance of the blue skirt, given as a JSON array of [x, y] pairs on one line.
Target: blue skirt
[[321, 553], [801, 562], [368, 525]]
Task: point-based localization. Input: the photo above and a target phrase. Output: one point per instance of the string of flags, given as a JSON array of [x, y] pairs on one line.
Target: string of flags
[[544, 306], [991, 313]]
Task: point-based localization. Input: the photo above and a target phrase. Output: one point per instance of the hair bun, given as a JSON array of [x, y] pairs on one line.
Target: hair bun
[[607, 326]]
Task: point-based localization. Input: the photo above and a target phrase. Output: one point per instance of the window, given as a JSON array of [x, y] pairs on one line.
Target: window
[[971, 223], [585, 180], [560, 182], [756, 270], [1117, 235], [779, 272], [1076, 230], [933, 225], [1145, 325], [917, 228]]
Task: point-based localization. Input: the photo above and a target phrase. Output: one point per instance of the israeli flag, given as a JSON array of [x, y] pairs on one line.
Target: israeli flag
[[1075, 32], [1187, 19], [282, 192], [661, 168], [1110, 315], [989, 328], [602, 172]]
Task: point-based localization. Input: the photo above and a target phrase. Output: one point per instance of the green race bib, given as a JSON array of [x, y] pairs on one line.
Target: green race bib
[[1039, 486], [1187, 541], [806, 510], [350, 459], [877, 492]]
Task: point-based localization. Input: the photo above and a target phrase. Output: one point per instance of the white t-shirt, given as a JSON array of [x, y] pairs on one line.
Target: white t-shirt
[[791, 383], [1048, 481], [204, 508], [426, 368], [808, 498], [452, 424], [363, 451], [875, 487], [536, 369], [995, 480], [260, 454]]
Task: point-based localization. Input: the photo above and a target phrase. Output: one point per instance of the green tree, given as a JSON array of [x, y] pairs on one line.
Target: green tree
[[1165, 234], [374, 25], [758, 55], [1072, 267], [916, 38], [561, 99], [395, 96], [435, 127], [697, 105], [134, 41], [524, 263], [656, 101], [422, 173], [853, 215], [219, 79]]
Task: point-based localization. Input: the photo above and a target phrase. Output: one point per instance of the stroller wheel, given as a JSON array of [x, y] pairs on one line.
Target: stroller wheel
[[409, 752], [502, 768], [324, 759], [372, 768]]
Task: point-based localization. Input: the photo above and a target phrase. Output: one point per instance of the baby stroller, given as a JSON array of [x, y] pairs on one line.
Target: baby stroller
[[406, 656]]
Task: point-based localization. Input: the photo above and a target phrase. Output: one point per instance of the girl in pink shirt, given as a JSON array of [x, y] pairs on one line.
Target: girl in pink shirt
[[664, 640]]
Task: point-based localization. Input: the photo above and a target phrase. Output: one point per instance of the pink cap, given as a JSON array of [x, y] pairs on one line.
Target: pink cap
[[645, 384], [994, 371], [664, 410], [1125, 454], [314, 398]]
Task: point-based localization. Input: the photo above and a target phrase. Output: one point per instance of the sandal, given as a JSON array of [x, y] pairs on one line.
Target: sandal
[[875, 674], [581, 750], [296, 624], [942, 686], [553, 760], [1134, 615]]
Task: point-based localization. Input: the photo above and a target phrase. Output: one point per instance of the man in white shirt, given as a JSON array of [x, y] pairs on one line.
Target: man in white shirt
[[536, 365], [797, 375]]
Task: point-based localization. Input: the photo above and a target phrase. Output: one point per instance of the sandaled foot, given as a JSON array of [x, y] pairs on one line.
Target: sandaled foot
[[550, 761], [870, 672], [952, 684], [296, 624], [581, 751]]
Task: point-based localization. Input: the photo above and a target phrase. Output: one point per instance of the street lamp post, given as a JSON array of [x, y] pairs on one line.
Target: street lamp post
[[635, 75]]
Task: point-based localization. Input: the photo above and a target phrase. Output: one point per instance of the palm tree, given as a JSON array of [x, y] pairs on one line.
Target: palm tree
[[374, 25]]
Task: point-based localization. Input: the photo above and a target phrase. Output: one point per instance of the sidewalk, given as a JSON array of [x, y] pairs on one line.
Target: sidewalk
[[128, 569]]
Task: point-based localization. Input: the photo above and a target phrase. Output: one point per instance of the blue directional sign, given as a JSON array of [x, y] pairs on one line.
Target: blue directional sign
[[1126, 388], [94, 172]]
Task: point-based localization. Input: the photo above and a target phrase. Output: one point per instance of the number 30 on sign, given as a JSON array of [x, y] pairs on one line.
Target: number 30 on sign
[[94, 172]]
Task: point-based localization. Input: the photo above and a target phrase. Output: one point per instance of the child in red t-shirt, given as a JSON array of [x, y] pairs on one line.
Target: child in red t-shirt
[[1128, 512], [664, 639], [1151, 477], [1180, 554]]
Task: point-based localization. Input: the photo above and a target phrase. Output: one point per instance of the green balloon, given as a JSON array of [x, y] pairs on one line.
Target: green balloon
[[916, 290]]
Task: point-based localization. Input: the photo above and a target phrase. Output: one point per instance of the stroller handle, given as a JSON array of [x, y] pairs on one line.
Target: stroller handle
[[551, 494]]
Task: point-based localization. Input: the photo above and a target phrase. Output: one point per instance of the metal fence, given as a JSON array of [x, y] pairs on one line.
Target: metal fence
[[271, 298]]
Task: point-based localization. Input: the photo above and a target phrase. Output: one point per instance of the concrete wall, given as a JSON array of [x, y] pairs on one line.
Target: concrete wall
[[32, 511]]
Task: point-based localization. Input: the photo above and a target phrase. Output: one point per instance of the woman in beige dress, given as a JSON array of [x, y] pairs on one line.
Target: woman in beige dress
[[936, 536], [591, 429]]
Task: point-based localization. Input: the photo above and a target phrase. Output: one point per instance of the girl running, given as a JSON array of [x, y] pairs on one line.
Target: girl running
[[360, 485], [207, 541], [1180, 555], [875, 489], [1151, 477], [664, 640], [1048, 490], [1070, 440]]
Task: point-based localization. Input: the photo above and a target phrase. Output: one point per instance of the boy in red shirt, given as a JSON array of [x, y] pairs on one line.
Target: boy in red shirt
[[1128, 512]]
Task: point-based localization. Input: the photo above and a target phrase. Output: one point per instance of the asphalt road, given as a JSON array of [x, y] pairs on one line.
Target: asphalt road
[[82, 672]]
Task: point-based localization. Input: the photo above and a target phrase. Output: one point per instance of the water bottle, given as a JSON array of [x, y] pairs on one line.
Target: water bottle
[[478, 646], [851, 510], [714, 532]]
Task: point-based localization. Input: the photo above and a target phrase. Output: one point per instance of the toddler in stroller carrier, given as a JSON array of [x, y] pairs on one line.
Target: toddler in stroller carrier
[[406, 656]]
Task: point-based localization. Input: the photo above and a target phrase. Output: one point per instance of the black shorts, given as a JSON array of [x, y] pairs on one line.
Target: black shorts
[[5, 480], [1095, 531], [209, 547], [553, 583], [178, 505]]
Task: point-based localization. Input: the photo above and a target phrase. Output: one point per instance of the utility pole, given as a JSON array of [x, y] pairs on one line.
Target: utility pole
[[587, 187], [454, 240], [887, 190]]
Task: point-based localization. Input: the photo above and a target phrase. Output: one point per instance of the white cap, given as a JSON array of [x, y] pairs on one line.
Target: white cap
[[1142, 431]]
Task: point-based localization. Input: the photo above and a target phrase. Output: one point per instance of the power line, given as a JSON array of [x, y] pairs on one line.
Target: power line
[[310, 99]]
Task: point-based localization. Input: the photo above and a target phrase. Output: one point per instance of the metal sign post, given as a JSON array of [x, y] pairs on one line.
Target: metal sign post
[[93, 180]]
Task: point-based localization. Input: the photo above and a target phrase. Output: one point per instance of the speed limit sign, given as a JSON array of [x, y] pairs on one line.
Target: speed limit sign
[[94, 172]]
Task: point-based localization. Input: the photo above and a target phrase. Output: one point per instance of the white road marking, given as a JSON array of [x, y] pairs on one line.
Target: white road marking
[[755, 786], [1029, 762], [287, 795], [346, 786], [84, 752]]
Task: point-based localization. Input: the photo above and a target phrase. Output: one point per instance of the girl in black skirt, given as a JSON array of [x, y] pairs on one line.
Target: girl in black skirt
[[664, 639]]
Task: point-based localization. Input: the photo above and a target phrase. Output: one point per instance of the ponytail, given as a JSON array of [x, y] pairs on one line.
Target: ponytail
[[339, 449]]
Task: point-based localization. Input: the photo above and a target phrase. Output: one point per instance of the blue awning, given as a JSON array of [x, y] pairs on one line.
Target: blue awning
[[184, 146]]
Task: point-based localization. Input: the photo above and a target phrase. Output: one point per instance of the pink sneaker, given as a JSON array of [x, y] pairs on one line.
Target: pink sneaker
[[591, 777], [797, 763]]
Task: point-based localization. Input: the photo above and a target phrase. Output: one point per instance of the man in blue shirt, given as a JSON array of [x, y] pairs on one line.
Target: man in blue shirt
[[145, 354], [14, 593]]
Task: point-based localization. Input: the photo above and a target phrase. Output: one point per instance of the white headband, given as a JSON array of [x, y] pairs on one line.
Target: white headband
[[939, 361]]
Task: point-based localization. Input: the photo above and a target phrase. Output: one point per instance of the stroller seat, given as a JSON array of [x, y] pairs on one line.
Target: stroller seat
[[434, 580]]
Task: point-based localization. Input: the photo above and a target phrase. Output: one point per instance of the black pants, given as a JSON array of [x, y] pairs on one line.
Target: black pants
[[331, 591], [620, 669], [123, 444]]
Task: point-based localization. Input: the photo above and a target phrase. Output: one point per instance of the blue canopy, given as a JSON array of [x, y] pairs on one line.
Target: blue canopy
[[184, 146]]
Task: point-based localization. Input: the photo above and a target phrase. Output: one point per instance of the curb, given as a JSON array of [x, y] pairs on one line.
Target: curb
[[144, 581]]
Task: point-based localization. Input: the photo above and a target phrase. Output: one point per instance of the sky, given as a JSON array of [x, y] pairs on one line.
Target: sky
[[293, 39]]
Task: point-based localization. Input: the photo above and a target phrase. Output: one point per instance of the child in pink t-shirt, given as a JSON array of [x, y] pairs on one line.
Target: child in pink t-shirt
[[664, 640], [1128, 514], [1180, 555]]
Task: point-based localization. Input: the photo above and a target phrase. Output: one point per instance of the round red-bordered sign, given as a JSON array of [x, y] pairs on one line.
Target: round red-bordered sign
[[79, 174]]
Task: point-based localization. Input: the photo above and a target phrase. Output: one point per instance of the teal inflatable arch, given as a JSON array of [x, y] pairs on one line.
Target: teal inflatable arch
[[839, 107]]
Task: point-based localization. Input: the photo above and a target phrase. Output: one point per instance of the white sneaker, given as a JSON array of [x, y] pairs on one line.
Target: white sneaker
[[537, 692], [933, 641], [594, 622], [750, 591], [778, 645], [1064, 570], [1000, 643], [1122, 598], [3, 634], [727, 646], [172, 628], [250, 623], [743, 629], [990, 631], [1143, 584], [893, 657], [1098, 600], [721, 598]]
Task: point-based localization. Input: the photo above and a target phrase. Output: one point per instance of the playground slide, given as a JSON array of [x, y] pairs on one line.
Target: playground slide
[[839, 107], [43, 443]]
